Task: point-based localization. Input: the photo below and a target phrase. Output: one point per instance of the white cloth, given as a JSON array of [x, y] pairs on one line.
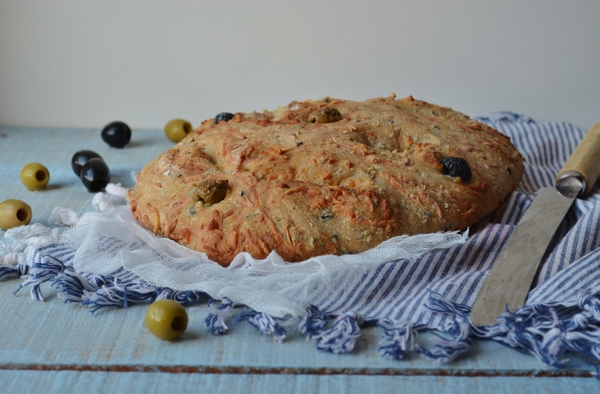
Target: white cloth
[[392, 281]]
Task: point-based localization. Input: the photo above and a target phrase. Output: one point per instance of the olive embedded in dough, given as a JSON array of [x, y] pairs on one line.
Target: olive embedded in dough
[[212, 191], [457, 167], [223, 117], [325, 115]]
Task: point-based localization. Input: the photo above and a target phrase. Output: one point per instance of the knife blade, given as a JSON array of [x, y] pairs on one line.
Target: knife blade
[[511, 276]]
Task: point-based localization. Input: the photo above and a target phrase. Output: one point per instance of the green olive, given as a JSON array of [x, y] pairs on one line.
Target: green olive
[[177, 129], [166, 319], [35, 176], [325, 115], [14, 213]]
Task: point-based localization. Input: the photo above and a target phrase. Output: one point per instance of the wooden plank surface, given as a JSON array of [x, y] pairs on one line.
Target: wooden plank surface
[[64, 346], [143, 383]]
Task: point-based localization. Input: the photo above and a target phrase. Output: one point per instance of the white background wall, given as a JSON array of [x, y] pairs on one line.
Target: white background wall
[[83, 63]]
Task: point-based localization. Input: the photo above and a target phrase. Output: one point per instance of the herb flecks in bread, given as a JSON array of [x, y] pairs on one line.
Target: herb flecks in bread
[[325, 177]]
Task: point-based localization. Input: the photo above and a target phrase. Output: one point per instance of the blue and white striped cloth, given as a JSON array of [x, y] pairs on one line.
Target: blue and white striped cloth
[[403, 297], [398, 290]]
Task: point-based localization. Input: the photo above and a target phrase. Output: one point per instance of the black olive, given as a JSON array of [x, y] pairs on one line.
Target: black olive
[[116, 134], [80, 158], [456, 167], [95, 175], [223, 116]]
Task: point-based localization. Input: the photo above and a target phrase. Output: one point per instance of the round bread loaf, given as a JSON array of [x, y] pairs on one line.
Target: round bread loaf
[[325, 177]]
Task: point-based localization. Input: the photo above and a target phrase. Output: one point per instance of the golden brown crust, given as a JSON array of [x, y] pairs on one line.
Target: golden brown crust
[[324, 177]]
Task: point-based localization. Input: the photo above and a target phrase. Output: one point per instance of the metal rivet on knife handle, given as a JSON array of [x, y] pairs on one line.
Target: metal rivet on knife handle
[[585, 160]]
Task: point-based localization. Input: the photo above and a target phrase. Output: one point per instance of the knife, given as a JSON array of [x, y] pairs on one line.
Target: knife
[[511, 276]]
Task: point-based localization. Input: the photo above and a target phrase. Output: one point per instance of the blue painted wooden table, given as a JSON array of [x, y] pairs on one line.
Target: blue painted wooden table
[[54, 347]]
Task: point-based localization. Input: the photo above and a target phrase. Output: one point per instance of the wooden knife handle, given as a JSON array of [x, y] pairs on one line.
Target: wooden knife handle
[[585, 160]]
